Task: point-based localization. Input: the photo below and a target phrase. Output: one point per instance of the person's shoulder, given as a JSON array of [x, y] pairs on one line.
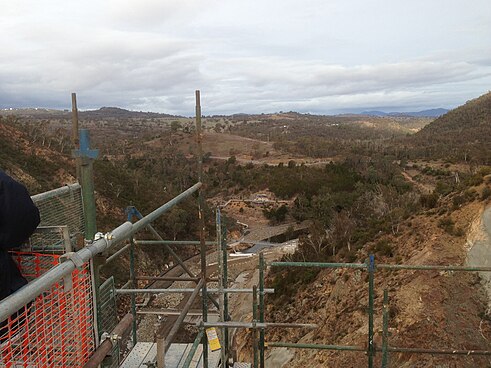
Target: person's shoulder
[[9, 184], [4, 178]]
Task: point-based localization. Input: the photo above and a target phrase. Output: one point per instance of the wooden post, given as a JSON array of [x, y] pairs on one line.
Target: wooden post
[[75, 136]]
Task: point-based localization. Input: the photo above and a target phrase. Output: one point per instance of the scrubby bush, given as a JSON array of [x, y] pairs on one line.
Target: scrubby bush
[[383, 248], [474, 180], [429, 200], [443, 188], [448, 225], [486, 193]]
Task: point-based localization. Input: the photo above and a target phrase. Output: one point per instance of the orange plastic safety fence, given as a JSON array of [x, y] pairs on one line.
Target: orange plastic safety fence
[[55, 329]]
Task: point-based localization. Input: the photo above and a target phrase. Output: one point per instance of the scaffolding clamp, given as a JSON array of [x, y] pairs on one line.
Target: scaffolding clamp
[[77, 261], [98, 236], [74, 257], [115, 338]]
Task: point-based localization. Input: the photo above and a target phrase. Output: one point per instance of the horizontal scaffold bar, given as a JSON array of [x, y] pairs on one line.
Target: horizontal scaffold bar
[[433, 268], [257, 325], [318, 264], [314, 346], [55, 192], [382, 266], [173, 242], [106, 345], [438, 351], [167, 278], [390, 349], [14, 302], [187, 290], [174, 312], [112, 257]]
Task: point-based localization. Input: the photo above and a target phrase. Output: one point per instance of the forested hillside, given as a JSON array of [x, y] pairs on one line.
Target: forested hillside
[[462, 134]]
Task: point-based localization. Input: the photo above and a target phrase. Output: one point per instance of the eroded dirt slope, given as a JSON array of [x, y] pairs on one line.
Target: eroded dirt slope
[[428, 309]]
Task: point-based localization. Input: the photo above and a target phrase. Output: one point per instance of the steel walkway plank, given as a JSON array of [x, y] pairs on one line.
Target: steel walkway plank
[[145, 352]]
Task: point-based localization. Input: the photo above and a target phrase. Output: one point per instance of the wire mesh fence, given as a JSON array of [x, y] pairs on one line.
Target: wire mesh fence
[[108, 318], [54, 330], [62, 221]]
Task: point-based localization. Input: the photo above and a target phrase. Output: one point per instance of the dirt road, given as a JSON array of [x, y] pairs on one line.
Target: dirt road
[[479, 253]]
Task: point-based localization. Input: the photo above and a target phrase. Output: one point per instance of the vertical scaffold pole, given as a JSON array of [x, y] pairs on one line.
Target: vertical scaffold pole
[[131, 211], [204, 294], [254, 320], [261, 309], [134, 286], [371, 272], [221, 300], [385, 331], [226, 344]]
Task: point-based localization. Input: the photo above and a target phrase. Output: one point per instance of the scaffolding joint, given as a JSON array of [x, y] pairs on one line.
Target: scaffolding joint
[[114, 338]]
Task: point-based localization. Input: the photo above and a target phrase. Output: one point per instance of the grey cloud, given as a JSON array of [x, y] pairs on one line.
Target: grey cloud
[[149, 13], [245, 56]]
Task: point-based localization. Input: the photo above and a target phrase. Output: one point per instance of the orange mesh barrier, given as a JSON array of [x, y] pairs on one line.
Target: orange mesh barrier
[[55, 329]]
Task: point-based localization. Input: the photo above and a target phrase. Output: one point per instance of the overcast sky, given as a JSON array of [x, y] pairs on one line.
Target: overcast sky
[[318, 56]]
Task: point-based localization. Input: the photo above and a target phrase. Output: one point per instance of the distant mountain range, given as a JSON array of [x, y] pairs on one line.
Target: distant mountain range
[[116, 112], [102, 113], [431, 113]]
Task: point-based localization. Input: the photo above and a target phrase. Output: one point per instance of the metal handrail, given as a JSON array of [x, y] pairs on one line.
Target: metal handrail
[[55, 192], [14, 302]]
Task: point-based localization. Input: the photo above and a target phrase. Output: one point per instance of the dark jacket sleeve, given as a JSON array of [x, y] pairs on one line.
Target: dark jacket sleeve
[[19, 217]]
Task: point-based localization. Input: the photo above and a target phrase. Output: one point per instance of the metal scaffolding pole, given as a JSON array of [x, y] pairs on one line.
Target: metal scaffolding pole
[[258, 325], [254, 331], [187, 290], [134, 285], [389, 349], [191, 353], [385, 329], [221, 300], [163, 342], [105, 347], [202, 225], [261, 309], [184, 312], [172, 242], [226, 343], [167, 247], [371, 270], [291, 345]]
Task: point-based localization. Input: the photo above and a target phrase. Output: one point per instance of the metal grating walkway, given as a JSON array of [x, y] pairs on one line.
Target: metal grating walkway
[[145, 352]]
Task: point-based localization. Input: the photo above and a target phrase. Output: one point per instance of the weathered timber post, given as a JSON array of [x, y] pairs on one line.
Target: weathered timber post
[[87, 156], [75, 128]]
